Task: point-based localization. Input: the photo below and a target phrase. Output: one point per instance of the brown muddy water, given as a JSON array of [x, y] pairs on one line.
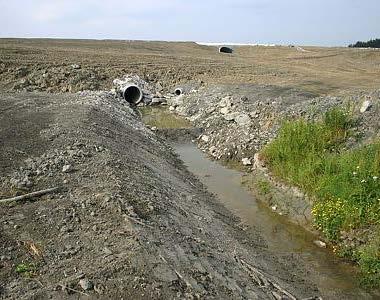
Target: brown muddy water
[[283, 238]]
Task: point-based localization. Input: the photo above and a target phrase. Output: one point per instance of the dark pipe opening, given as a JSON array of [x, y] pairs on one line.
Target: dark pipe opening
[[132, 94], [225, 50], [178, 92]]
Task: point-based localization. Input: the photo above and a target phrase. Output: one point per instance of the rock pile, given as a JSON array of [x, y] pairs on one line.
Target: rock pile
[[238, 124], [56, 163]]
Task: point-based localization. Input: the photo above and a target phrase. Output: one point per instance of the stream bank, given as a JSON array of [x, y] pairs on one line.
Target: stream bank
[[334, 278], [129, 220]]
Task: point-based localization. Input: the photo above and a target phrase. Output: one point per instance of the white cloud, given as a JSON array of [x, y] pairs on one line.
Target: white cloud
[[50, 11]]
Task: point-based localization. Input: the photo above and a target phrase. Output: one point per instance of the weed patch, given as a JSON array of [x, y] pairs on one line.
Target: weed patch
[[26, 269], [344, 184], [263, 187]]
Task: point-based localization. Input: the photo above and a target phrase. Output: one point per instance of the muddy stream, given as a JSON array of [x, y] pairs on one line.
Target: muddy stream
[[283, 238]]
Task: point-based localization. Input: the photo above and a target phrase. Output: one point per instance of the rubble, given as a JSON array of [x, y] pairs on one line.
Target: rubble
[[246, 161], [131, 220], [239, 126], [365, 106]]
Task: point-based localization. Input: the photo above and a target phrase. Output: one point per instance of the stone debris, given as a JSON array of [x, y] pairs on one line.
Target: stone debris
[[230, 117], [205, 138], [86, 284], [49, 164], [246, 161], [224, 110], [212, 150], [320, 244], [75, 67], [243, 120], [240, 125], [67, 168], [365, 106]]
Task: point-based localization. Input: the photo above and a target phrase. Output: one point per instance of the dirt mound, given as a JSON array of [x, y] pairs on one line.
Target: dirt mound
[[128, 220]]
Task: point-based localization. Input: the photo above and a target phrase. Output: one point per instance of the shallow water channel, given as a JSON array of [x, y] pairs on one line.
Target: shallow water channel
[[332, 276]]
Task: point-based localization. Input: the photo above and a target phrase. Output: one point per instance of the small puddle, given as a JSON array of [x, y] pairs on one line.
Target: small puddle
[[331, 275], [162, 119]]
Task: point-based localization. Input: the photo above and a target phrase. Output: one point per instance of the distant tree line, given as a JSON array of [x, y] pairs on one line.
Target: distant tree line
[[370, 44]]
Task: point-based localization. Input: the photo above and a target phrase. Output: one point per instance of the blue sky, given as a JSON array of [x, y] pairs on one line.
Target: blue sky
[[304, 22]]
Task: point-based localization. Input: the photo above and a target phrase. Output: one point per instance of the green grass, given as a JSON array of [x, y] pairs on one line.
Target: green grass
[[263, 186], [345, 185], [368, 258], [25, 269]]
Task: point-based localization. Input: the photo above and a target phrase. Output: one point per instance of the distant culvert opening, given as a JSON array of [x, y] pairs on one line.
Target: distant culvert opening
[[178, 92], [132, 94], [225, 50]]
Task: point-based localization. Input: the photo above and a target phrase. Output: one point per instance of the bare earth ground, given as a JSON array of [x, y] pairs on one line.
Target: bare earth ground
[[318, 70], [128, 216]]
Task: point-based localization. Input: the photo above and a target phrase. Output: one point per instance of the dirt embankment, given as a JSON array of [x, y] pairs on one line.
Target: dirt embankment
[[239, 120], [128, 221]]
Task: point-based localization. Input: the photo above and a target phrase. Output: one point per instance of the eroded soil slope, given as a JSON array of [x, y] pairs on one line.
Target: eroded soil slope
[[128, 221]]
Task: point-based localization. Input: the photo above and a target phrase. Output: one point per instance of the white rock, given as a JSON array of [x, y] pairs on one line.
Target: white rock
[[230, 117], [205, 138], [254, 114], [67, 168], [365, 106], [243, 120], [212, 149], [246, 161], [320, 244], [224, 110], [274, 207], [157, 100], [86, 284], [225, 102], [171, 108]]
